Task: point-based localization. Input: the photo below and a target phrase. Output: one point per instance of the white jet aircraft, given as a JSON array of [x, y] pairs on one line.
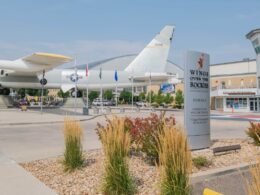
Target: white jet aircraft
[[28, 72]]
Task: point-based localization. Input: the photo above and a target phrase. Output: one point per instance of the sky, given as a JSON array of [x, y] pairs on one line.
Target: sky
[[93, 30]]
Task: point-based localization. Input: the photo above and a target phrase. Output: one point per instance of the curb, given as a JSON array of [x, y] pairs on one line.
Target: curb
[[47, 122], [210, 174], [61, 121]]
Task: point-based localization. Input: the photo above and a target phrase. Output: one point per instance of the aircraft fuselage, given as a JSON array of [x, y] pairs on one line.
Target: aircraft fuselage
[[57, 78]]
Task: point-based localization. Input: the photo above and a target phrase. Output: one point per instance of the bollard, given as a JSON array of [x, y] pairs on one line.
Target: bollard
[[85, 111]]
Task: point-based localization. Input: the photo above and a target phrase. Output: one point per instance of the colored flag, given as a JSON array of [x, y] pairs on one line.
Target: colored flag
[[100, 73], [116, 76], [87, 70]]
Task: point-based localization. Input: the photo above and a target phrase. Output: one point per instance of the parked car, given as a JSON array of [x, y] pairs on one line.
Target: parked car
[[99, 102], [140, 103]]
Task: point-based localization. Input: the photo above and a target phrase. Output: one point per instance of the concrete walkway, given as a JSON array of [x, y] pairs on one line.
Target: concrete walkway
[[18, 117], [15, 180]]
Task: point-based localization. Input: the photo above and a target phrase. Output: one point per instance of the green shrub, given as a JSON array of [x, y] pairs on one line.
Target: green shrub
[[73, 157], [174, 161], [179, 99], [116, 146], [200, 161], [108, 94], [155, 105], [254, 132]]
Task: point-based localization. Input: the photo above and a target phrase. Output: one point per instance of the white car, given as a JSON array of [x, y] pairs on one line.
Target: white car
[[140, 103], [99, 102]]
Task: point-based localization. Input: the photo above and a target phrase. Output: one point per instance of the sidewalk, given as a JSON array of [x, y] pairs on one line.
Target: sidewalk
[[15, 180], [18, 117], [48, 116]]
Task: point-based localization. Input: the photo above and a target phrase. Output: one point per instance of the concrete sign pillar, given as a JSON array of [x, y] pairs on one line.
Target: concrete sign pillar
[[197, 99], [254, 37]]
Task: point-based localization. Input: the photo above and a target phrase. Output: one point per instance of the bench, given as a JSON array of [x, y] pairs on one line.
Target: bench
[[226, 149]]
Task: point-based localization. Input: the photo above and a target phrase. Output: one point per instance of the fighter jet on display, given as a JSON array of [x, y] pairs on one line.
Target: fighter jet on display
[[39, 68]]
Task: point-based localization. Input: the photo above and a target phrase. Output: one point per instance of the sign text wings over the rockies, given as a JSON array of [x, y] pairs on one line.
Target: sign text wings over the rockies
[[197, 99]]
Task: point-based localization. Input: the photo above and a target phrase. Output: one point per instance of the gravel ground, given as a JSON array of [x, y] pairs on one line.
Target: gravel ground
[[88, 179]]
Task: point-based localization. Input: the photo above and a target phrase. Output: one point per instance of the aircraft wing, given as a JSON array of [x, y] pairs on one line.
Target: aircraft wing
[[33, 64], [47, 59]]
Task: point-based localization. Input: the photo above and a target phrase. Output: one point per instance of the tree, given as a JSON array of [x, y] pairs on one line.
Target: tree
[[61, 94], [108, 94], [93, 95], [159, 99], [142, 96], [125, 96], [21, 92], [179, 98], [32, 92], [168, 98], [153, 97]]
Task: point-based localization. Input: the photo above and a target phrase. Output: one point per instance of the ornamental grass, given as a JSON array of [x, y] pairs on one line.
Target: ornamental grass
[[116, 145], [254, 132], [174, 161], [253, 185], [73, 155]]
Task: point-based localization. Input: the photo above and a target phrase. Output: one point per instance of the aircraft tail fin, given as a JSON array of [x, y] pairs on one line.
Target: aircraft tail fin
[[153, 57]]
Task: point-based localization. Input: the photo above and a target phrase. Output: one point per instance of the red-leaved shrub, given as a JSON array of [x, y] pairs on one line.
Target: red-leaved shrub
[[144, 132]]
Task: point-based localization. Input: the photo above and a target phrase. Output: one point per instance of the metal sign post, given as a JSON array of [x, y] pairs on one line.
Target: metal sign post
[[43, 82]]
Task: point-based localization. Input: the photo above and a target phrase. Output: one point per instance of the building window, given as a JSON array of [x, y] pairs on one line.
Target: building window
[[237, 103]]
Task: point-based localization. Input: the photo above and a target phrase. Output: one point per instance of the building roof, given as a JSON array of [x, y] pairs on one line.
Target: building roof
[[252, 33], [121, 62], [234, 62]]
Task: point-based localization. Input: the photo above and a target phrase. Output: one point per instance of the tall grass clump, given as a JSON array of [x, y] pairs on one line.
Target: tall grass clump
[[253, 186], [116, 145], [73, 155], [174, 161], [254, 132]]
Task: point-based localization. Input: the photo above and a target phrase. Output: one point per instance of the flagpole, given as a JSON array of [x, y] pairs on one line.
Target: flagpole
[[132, 91], [101, 89], [87, 92], [87, 84], [116, 79], [150, 98], [75, 95], [116, 93]]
